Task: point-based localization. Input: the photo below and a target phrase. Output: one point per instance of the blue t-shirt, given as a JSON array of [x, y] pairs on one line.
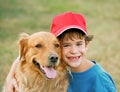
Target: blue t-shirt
[[93, 80]]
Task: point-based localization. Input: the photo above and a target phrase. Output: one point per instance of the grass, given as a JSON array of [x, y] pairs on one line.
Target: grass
[[102, 16]]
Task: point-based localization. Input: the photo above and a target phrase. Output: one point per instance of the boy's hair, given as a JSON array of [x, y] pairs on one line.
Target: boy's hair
[[74, 33]]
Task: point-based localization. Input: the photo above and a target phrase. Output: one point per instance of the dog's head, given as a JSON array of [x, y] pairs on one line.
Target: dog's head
[[41, 52]]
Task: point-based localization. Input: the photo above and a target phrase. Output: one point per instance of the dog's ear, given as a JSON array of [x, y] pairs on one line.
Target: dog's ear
[[23, 45]]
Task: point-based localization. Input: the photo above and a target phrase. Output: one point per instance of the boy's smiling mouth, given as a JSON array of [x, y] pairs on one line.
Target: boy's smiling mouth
[[74, 59]]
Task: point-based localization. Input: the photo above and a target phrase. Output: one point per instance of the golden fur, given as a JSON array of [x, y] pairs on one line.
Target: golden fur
[[41, 51]]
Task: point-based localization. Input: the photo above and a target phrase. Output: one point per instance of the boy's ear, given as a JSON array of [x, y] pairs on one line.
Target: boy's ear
[[23, 45], [88, 39], [87, 43]]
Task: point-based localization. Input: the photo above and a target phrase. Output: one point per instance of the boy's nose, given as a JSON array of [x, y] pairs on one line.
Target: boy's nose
[[73, 49]]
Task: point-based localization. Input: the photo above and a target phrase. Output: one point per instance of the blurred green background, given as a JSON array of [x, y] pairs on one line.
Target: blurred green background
[[103, 21]]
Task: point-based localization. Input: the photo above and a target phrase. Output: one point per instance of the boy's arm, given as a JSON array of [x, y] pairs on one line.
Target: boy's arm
[[11, 83]]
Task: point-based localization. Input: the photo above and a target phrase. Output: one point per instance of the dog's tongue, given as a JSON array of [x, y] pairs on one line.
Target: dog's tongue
[[50, 72]]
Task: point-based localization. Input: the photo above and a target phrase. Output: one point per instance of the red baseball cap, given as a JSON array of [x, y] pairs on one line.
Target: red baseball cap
[[68, 20]]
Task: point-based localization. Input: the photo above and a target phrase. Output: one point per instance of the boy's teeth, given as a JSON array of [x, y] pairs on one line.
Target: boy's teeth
[[73, 58]]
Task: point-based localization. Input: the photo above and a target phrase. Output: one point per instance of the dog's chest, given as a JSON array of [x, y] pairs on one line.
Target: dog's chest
[[44, 86]]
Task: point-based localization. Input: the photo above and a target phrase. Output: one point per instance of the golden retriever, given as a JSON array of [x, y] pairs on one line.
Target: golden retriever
[[40, 68]]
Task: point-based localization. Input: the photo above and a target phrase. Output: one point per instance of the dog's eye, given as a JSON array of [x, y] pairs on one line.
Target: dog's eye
[[38, 46], [36, 64], [57, 45]]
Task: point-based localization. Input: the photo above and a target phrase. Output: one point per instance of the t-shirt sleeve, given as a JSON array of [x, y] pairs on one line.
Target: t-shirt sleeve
[[105, 83]]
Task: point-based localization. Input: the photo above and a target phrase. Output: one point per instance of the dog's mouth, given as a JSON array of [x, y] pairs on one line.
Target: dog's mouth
[[48, 71]]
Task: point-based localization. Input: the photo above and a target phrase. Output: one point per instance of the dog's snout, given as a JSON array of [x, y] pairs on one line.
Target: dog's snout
[[53, 58]]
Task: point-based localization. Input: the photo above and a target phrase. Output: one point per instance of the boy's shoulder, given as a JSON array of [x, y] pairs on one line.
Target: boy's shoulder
[[103, 78]]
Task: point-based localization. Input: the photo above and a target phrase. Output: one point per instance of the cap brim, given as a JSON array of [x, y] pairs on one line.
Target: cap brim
[[60, 31]]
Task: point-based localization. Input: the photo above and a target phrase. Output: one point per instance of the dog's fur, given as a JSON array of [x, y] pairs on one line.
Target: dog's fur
[[40, 68]]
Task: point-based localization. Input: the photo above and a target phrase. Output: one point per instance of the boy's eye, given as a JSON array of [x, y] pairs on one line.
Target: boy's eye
[[66, 45], [78, 44]]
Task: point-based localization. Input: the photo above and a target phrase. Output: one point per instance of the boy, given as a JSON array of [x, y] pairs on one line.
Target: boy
[[85, 75]]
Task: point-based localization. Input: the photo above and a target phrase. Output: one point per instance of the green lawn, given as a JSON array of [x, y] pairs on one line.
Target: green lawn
[[103, 21]]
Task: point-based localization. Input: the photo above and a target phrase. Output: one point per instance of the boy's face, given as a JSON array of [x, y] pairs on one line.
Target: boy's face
[[73, 51]]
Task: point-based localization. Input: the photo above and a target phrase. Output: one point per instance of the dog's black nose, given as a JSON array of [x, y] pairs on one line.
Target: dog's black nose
[[53, 58]]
